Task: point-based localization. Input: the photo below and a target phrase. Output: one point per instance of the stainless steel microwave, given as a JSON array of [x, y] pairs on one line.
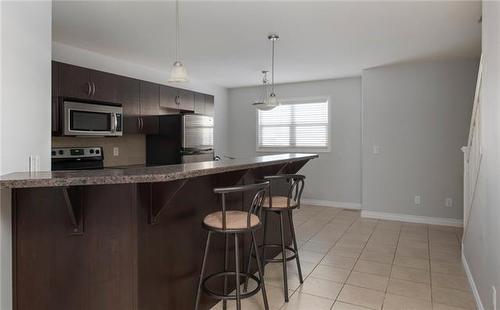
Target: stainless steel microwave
[[88, 119]]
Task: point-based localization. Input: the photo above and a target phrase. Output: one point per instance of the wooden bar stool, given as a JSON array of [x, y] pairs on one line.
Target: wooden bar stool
[[282, 205], [234, 223]]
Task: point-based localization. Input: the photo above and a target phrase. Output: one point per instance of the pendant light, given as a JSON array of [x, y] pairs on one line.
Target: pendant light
[[271, 101], [261, 104], [178, 74]]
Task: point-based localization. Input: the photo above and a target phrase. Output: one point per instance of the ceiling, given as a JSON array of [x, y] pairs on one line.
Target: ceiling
[[225, 42]]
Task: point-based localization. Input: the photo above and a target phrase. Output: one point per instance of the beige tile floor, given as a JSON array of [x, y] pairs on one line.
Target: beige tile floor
[[352, 263]]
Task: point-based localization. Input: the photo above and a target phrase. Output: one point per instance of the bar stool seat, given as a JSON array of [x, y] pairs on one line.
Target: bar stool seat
[[235, 223], [279, 202], [234, 220]]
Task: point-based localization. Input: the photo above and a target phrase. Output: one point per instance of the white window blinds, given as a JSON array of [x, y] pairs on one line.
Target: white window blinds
[[294, 125]]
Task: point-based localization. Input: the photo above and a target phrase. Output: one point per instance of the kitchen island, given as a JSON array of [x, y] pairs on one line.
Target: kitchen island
[[127, 238]]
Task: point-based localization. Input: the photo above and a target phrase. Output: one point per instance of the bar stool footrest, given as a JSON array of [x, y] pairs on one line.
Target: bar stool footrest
[[278, 260], [243, 295]]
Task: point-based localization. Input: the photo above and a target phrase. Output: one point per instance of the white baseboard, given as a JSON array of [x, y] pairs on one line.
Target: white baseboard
[[328, 203], [412, 218], [472, 284]]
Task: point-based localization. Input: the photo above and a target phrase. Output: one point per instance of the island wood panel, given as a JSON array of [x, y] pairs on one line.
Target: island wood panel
[[121, 261], [56, 269]]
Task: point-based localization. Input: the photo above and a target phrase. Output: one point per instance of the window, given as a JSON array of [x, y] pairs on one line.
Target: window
[[294, 125]]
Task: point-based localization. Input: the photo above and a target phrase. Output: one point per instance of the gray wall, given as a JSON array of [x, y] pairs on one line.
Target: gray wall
[[481, 243], [336, 175], [419, 116]]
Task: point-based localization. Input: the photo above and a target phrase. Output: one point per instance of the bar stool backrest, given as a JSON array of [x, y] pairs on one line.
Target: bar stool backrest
[[296, 187], [257, 201]]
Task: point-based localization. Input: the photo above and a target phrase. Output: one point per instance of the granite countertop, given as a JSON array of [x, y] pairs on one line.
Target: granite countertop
[[142, 174]]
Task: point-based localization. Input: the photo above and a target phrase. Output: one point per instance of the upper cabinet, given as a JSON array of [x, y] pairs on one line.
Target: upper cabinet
[[105, 86], [75, 82], [82, 83], [129, 95], [141, 100], [176, 99], [203, 104], [150, 98]]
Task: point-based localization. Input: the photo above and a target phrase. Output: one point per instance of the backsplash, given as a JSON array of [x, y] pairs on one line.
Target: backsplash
[[132, 148]]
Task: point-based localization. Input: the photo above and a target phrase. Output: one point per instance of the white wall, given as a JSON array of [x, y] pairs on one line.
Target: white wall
[[419, 116], [336, 175], [25, 107], [80, 57], [481, 242]]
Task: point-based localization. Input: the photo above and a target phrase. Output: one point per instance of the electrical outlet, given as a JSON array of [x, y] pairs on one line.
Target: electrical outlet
[[448, 202], [417, 200], [494, 296], [116, 151]]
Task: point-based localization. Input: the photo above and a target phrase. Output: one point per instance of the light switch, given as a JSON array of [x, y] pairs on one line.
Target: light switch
[[417, 200], [376, 149], [116, 151]]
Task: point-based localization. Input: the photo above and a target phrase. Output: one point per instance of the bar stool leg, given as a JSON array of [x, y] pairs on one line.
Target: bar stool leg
[[294, 240], [226, 252], [249, 265], [237, 265], [203, 265], [261, 274], [283, 256], [264, 245]]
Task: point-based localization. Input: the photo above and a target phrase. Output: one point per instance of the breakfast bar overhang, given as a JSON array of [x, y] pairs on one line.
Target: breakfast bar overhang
[[123, 238]]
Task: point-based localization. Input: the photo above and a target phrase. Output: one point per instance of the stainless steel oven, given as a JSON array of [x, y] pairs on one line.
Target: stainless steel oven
[[88, 119]]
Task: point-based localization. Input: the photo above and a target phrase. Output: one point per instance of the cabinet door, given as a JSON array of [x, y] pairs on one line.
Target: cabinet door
[[131, 124], [209, 105], [150, 98], [128, 95], [186, 100], [75, 82], [105, 86], [149, 125], [199, 103], [168, 97], [55, 98]]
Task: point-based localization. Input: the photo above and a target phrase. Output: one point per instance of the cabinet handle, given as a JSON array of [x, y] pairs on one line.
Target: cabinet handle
[[93, 88], [89, 89], [142, 123], [138, 123], [177, 101]]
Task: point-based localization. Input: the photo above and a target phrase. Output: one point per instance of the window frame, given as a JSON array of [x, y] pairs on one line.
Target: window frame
[[296, 149]]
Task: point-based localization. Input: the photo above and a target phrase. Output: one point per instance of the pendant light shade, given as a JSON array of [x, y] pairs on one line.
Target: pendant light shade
[[269, 101], [178, 74]]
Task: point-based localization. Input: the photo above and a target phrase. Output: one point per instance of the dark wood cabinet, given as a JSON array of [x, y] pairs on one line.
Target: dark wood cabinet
[[203, 104], [141, 100], [75, 82], [150, 98], [199, 103], [177, 99], [186, 100], [105, 86], [168, 97], [55, 98], [128, 95], [209, 105]]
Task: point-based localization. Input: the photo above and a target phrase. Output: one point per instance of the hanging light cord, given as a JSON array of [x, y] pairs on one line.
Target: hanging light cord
[[272, 67], [177, 35]]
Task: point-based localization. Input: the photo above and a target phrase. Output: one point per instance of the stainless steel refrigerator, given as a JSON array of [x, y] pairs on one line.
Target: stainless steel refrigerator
[[182, 138]]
